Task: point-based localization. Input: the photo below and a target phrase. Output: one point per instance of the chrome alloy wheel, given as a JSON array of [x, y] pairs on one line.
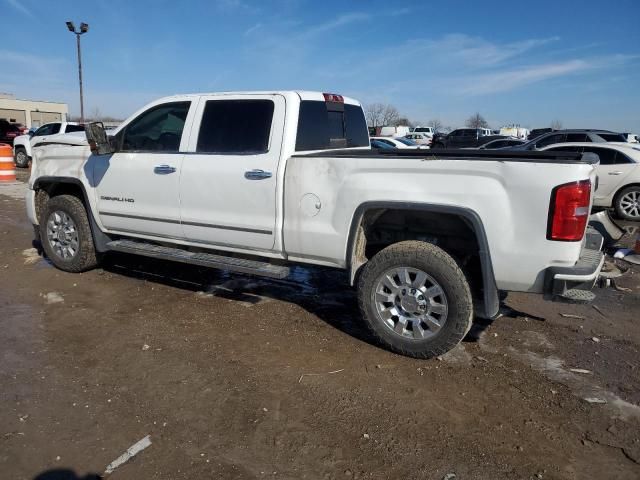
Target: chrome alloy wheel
[[62, 235], [410, 303], [630, 204]]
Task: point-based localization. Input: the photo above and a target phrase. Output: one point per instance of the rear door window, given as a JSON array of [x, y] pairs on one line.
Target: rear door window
[[236, 127], [324, 125], [607, 156], [612, 137]]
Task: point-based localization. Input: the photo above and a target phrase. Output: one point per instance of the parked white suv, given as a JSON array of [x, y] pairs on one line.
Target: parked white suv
[[424, 130], [23, 144], [255, 182]]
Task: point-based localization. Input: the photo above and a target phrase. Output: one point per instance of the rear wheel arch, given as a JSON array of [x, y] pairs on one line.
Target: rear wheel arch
[[364, 222]]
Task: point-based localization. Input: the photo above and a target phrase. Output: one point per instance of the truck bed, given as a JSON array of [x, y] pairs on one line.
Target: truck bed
[[464, 154]]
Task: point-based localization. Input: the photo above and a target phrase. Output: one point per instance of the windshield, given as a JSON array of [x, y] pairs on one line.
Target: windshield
[[406, 141]]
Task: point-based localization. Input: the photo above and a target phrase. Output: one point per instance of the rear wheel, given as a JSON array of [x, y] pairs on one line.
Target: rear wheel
[[627, 203], [21, 158], [415, 299], [66, 235]]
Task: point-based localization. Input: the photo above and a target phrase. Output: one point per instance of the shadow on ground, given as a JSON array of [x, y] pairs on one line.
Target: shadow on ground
[[65, 474]]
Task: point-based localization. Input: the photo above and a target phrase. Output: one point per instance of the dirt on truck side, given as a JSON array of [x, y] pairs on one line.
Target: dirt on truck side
[[236, 377]]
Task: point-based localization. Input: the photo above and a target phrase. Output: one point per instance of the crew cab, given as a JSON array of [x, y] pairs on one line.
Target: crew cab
[[255, 182], [23, 144]]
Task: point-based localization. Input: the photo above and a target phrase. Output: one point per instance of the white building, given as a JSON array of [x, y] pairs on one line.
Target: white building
[[31, 113]]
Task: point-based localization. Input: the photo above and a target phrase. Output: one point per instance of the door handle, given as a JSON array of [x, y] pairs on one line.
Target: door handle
[[615, 173], [164, 169], [257, 174]]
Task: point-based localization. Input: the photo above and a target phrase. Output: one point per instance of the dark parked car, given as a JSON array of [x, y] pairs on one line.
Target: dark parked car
[[536, 132], [8, 131], [378, 145], [566, 136], [501, 143], [463, 138]]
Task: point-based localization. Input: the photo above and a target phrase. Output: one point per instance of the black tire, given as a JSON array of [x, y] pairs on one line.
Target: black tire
[[85, 254], [617, 204], [436, 263], [21, 158]]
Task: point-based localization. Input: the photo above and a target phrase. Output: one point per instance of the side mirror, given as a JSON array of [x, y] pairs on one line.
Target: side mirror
[[98, 139], [32, 133]]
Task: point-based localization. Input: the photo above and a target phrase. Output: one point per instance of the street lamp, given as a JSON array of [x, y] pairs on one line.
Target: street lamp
[[84, 28]]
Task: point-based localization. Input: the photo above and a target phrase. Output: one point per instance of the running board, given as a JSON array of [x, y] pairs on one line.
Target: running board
[[240, 265]]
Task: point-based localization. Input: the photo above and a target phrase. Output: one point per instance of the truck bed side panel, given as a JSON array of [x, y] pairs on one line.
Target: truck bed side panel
[[511, 199]]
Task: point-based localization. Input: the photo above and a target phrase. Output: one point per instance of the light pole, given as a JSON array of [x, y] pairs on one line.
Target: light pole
[[84, 28]]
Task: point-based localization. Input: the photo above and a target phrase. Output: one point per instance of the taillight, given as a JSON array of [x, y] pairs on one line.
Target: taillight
[[332, 97], [569, 211]]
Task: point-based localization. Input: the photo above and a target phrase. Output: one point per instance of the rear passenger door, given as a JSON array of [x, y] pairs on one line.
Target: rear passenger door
[[614, 167], [228, 186]]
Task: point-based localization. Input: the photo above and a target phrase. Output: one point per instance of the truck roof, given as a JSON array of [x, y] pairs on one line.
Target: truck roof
[[302, 94]]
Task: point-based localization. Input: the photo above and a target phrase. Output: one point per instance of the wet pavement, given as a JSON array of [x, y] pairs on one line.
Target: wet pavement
[[238, 377]]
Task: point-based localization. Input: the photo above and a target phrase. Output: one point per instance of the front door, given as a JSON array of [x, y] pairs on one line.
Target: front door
[[229, 179], [137, 187]]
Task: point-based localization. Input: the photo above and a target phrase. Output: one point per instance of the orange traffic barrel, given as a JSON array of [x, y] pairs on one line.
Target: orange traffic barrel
[[7, 167]]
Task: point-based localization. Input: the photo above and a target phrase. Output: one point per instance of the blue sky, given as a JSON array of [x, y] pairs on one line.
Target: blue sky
[[514, 62]]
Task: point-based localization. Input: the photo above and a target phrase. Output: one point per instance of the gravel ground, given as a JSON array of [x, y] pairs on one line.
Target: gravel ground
[[241, 378]]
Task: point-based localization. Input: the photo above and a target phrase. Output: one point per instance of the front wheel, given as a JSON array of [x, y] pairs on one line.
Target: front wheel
[[65, 234], [415, 299], [627, 203], [21, 158]]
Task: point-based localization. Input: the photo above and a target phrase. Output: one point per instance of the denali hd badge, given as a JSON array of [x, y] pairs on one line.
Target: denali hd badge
[[117, 199]]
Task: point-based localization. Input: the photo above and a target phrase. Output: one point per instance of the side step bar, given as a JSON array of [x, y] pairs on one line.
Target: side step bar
[[251, 267]]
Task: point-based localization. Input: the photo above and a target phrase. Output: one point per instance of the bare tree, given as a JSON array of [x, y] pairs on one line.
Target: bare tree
[[374, 113], [96, 114], [556, 125], [436, 125], [381, 115], [390, 115], [403, 122], [476, 121]]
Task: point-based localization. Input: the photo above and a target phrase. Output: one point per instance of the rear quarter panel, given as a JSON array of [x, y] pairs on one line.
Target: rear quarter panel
[[511, 199]]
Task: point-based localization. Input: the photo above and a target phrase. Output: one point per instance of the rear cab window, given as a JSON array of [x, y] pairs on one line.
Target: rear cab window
[[74, 128], [330, 125]]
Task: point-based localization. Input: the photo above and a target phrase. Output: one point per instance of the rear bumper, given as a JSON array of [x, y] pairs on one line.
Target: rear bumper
[[582, 275]]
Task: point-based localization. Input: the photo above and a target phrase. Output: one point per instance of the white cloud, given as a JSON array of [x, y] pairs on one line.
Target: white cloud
[[474, 51], [337, 22], [511, 79], [252, 29], [19, 6]]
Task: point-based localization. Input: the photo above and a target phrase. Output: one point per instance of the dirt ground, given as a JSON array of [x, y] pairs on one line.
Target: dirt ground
[[234, 377]]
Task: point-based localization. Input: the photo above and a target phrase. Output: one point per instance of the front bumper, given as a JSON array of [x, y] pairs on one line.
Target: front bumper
[[582, 275]]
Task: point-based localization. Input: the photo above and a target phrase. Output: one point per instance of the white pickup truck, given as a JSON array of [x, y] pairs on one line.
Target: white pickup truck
[[254, 182], [48, 132]]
